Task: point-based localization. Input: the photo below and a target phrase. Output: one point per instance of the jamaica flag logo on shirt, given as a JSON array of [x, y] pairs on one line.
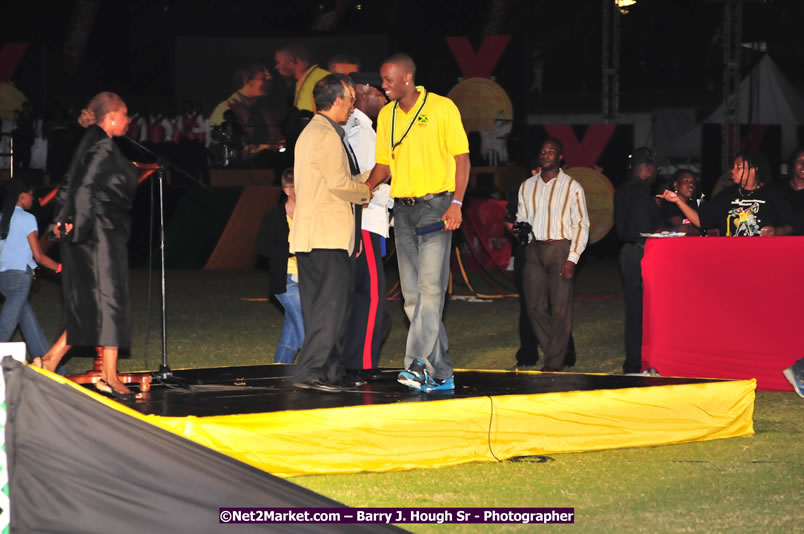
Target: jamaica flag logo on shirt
[[422, 119]]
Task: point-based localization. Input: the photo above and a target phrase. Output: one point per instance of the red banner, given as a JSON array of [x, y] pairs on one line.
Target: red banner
[[10, 56], [478, 64], [587, 151]]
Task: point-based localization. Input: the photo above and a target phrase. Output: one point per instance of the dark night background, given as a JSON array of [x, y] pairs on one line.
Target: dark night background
[[669, 55], [667, 49]]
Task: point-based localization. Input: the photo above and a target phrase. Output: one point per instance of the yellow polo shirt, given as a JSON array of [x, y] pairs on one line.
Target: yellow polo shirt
[[304, 87], [424, 162]]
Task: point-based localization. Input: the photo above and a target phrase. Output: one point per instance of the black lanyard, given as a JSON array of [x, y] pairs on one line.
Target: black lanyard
[[412, 122]]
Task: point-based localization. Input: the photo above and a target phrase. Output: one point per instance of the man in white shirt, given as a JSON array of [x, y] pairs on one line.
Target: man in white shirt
[[555, 206], [368, 322]]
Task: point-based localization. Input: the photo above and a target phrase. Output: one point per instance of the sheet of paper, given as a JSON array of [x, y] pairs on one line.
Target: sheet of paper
[[375, 216]]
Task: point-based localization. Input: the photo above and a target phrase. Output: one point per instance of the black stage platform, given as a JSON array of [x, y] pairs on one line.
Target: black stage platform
[[268, 388]]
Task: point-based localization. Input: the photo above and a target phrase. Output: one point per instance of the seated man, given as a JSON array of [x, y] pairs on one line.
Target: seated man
[[241, 113], [253, 82]]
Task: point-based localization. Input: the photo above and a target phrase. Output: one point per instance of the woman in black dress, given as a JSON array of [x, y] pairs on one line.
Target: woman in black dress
[[93, 225]]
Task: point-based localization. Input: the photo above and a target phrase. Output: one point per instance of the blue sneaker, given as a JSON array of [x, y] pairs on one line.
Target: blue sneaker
[[448, 384], [415, 377], [794, 380]]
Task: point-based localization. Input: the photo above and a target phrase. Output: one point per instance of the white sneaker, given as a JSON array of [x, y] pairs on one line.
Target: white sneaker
[[646, 372], [797, 384]]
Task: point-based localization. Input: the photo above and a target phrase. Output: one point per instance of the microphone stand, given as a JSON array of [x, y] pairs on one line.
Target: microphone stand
[[163, 162], [164, 374]]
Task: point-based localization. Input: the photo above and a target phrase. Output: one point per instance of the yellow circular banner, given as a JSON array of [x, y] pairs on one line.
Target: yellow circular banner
[[599, 195], [481, 101]]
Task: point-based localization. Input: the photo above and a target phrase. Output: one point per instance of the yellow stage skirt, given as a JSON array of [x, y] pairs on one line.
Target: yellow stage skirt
[[436, 433]]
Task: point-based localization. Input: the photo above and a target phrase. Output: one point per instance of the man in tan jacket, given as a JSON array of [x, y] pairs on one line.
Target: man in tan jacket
[[322, 234]]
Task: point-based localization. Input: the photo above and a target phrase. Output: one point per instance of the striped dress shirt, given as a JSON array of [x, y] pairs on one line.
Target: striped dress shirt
[[555, 210]]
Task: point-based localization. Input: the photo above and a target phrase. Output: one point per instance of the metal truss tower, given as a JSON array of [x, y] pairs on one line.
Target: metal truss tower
[[611, 61], [732, 40]]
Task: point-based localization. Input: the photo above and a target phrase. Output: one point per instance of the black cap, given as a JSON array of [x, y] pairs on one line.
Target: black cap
[[367, 78], [643, 155]]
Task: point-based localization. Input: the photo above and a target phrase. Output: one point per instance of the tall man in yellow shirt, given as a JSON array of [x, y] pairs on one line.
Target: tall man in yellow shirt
[[422, 144]]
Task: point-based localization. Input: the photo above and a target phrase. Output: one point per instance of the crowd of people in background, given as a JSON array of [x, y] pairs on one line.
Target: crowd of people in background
[[352, 132]]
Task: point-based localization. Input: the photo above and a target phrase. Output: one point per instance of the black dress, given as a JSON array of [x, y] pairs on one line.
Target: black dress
[[96, 196]]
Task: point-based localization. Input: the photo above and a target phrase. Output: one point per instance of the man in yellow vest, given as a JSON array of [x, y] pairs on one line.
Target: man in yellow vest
[[293, 61]]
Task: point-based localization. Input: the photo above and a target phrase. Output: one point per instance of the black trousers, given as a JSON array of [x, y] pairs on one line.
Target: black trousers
[[528, 353], [368, 321], [325, 292], [631, 269]]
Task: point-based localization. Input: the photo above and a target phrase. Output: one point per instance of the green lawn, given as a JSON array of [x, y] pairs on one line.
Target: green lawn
[[751, 484]]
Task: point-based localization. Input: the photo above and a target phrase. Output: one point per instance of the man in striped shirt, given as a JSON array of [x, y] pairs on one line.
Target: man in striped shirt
[[555, 206]]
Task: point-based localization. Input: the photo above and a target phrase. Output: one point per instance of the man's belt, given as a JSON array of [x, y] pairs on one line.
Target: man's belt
[[410, 201]]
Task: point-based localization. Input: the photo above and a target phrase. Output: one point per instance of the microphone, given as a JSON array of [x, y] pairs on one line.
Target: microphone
[[435, 227]]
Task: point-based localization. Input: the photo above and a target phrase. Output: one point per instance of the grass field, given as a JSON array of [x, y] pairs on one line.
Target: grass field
[[751, 484]]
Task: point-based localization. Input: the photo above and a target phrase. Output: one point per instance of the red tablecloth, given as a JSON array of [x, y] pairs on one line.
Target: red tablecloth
[[724, 307]]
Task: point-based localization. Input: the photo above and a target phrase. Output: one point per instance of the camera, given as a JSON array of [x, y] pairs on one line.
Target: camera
[[523, 231]]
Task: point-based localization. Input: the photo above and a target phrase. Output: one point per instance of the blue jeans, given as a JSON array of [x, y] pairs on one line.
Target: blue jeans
[[15, 287], [293, 329], [423, 275]]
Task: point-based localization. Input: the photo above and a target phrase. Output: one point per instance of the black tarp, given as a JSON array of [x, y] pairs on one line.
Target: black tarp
[[77, 465]]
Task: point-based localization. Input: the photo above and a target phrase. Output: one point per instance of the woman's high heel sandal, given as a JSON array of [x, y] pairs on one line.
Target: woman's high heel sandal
[[103, 387]]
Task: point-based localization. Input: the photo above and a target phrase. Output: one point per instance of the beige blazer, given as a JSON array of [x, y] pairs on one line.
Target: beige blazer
[[325, 191]]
